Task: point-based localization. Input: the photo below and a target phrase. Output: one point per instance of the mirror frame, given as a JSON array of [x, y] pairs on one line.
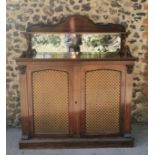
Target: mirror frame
[[76, 24]]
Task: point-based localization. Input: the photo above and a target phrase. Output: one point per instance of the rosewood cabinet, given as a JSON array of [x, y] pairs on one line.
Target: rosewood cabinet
[[76, 102]]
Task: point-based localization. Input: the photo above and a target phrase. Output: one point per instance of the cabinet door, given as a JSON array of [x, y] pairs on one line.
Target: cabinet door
[[101, 100], [50, 100]]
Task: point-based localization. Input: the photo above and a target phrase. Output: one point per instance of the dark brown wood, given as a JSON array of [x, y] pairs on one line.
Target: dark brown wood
[[100, 66], [81, 57], [123, 43], [22, 69], [122, 98], [77, 143], [129, 68], [29, 60], [76, 23], [127, 105], [76, 69], [24, 106], [60, 67], [76, 98]]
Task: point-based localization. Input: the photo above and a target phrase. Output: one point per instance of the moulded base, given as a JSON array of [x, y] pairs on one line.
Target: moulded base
[[77, 143]]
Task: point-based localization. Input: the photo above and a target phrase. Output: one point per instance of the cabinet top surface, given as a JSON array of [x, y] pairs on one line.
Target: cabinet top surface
[[72, 56]]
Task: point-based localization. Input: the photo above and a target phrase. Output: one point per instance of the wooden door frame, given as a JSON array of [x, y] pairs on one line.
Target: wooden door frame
[[64, 68], [102, 66]]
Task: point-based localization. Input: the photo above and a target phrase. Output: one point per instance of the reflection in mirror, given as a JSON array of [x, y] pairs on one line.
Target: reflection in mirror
[[85, 42]]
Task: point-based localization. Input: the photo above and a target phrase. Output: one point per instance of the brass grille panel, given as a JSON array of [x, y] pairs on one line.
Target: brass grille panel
[[50, 101], [102, 101]]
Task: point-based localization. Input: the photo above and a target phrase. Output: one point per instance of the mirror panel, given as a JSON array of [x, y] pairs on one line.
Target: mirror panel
[[76, 42]]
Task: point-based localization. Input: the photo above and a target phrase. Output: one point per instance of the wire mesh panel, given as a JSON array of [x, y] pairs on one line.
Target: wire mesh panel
[[50, 101], [102, 101]]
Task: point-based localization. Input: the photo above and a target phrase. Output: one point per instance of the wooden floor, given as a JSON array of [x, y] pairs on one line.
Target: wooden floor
[[139, 132]]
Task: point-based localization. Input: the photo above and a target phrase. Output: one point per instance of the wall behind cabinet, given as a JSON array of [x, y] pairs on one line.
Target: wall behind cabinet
[[131, 13]]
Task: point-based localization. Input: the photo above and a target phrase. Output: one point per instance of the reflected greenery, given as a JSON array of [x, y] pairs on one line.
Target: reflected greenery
[[96, 42], [38, 40]]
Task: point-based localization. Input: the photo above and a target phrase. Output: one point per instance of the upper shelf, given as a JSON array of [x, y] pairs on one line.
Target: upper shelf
[[65, 56], [76, 24]]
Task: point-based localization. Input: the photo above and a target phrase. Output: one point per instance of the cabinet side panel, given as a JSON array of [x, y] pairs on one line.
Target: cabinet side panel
[[50, 102], [127, 106], [24, 107], [103, 101]]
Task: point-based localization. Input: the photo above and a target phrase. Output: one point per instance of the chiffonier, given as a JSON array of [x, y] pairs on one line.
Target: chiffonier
[[75, 98]]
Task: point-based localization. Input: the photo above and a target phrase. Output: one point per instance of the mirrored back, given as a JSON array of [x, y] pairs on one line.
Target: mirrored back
[[76, 42]]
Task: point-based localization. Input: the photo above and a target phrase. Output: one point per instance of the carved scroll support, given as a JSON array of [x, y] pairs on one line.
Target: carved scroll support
[[30, 51], [129, 68], [125, 50], [22, 69]]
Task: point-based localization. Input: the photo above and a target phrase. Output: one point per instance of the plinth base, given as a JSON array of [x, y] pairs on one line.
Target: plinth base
[[77, 143]]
